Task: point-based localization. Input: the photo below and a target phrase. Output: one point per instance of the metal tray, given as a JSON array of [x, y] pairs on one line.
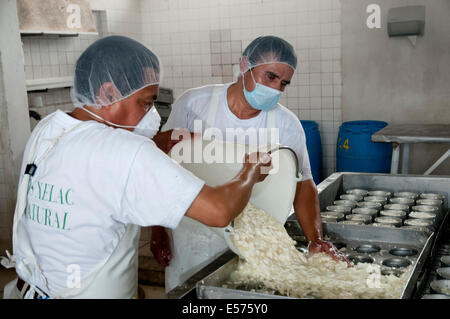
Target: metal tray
[[353, 236], [207, 283]]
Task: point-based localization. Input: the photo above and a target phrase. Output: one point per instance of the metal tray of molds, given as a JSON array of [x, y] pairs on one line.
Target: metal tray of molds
[[338, 183], [208, 282], [395, 247]]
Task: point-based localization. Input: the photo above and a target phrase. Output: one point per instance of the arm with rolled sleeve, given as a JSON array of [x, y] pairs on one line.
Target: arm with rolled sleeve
[[160, 192], [306, 201]]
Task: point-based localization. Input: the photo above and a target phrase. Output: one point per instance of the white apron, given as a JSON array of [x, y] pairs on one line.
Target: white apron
[[194, 244], [114, 277]]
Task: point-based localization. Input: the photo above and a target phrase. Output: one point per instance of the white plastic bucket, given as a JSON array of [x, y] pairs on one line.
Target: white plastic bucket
[[274, 195]]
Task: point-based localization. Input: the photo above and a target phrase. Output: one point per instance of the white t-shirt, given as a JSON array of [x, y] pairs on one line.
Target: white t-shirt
[[93, 183], [194, 105], [195, 245]]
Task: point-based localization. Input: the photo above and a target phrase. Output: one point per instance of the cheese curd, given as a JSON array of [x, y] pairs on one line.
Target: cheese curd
[[271, 259]]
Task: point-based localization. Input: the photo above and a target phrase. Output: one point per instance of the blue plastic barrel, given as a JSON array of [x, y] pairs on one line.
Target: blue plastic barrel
[[314, 147], [355, 151]]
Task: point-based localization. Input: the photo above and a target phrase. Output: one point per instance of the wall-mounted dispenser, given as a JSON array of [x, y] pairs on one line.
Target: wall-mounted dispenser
[[406, 21]]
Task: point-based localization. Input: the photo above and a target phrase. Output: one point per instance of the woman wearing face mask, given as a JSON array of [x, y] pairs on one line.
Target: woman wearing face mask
[[90, 178], [267, 66]]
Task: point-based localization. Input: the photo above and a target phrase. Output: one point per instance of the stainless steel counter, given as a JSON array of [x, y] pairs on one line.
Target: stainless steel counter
[[401, 136], [413, 133]]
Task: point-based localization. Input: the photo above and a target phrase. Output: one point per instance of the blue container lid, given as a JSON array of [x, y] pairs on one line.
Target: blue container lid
[[309, 124], [363, 126]]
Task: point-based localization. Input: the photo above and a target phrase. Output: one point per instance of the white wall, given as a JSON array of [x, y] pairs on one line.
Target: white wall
[[56, 57], [390, 80], [123, 17], [14, 124], [200, 42]]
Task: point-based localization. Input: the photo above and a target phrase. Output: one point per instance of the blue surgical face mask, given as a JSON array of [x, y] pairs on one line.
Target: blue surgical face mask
[[262, 98]]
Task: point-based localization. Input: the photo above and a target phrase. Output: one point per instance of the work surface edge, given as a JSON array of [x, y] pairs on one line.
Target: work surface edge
[[413, 133]]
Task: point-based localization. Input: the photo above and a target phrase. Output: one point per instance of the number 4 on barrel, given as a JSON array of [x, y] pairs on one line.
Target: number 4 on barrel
[[345, 144]]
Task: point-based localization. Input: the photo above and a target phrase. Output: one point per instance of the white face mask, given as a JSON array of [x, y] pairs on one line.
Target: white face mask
[[148, 126]]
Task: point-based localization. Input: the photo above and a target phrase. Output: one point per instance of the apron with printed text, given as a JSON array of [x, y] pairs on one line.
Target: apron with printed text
[[114, 277]]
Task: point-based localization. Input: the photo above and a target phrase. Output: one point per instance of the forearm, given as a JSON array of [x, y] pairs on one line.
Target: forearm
[[307, 210], [166, 140], [155, 231], [162, 140], [236, 194], [160, 245], [217, 206]]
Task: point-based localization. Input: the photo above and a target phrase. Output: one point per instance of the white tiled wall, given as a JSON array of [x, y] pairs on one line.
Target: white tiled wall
[[52, 56], [51, 101], [47, 57], [200, 42]]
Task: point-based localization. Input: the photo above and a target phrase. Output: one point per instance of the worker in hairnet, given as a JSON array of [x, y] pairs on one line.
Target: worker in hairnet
[[91, 177], [267, 66]]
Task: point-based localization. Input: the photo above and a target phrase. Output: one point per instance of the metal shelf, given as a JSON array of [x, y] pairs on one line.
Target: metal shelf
[[49, 83]]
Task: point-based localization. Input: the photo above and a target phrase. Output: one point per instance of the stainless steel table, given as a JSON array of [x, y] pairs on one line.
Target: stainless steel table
[[401, 136]]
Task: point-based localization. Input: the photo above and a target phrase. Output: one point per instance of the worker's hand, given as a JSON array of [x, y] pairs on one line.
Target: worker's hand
[[166, 140], [322, 246], [160, 245], [257, 165]]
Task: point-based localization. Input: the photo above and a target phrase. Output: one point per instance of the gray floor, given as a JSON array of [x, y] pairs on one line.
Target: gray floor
[[6, 275]]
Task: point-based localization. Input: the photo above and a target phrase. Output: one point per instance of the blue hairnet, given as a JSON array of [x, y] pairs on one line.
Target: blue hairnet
[[269, 49], [125, 63]]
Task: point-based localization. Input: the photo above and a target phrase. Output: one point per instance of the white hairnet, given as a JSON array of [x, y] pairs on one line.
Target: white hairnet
[[120, 64], [269, 49]]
